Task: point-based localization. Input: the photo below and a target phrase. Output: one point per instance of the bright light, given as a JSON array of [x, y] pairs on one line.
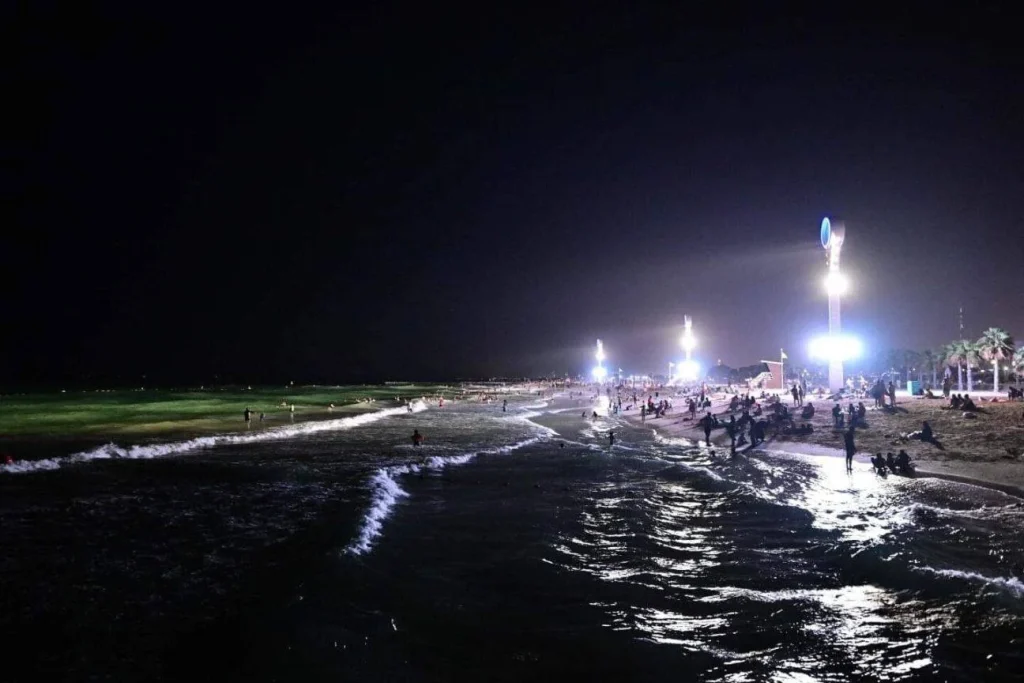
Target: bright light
[[840, 348], [688, 341], [836, 283], [599, 373], [600, 352], [689, 370]]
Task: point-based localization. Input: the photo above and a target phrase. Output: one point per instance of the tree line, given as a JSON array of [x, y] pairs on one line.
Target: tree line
[[994, 350]]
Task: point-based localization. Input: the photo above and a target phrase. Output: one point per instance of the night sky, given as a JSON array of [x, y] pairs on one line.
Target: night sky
[[398, 191]]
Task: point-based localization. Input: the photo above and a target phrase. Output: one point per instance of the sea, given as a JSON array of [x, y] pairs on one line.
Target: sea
[[511, 545]]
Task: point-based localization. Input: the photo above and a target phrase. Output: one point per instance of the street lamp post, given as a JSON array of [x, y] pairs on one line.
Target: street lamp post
[[833, 234]]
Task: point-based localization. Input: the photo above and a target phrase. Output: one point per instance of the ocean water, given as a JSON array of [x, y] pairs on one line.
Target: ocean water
[[509, 546]]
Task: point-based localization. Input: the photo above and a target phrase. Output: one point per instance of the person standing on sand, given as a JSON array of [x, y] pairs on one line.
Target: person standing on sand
[[796, 395], [611, 438], [892, 395], [731, 430], [504, 406], [707, 429], [417, 438], [248, 416], [850, 448]]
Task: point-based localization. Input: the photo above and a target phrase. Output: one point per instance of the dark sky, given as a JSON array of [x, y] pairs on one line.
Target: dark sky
[[398, 191]]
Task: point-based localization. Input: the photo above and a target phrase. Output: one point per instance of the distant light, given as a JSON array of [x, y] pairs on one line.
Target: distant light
[[836, 283], [600, 352], [688, 341], [841, 348], [599, 373], [689, 370]]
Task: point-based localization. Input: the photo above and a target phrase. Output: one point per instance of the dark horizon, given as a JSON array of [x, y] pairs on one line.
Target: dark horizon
[[398, 193]]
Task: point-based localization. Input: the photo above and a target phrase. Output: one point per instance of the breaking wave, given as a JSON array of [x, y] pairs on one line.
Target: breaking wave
[[1010, 583], [385, 489], [159, 450]]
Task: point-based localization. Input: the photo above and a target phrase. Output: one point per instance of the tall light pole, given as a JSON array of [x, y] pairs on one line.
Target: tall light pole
[[832, 236], [599, 372], [688, 340]]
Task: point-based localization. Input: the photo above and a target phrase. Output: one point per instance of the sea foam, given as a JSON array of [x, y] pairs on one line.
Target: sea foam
[[1009, 583], [385, 489], [159, 450]]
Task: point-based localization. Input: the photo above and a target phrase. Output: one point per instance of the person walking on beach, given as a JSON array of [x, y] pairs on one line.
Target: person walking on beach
[[731, 431], [850, 448], [611, 438], [248, 416], [707, 429], [504, 406], [796, 395]]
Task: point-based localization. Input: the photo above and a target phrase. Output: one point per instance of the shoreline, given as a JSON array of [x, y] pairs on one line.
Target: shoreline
[[1006, 477], [179, 426]]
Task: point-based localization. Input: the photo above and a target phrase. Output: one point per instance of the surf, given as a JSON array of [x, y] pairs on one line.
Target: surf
[[112, 451]]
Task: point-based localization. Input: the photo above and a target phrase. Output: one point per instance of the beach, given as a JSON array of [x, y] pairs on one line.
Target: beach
[[514, 543], [988, 448]]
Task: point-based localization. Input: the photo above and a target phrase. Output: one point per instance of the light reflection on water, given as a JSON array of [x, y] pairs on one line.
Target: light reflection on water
[[816, 561]]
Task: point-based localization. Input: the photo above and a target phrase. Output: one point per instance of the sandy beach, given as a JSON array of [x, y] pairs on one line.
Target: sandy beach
[[988, 449]]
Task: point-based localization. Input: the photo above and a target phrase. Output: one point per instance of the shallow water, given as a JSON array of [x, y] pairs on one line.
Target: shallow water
[[510, 545]]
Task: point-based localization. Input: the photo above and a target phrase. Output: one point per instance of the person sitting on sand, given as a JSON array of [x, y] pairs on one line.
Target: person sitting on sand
[[926, 432], [879, 463], [890, 461], [903, 462], [955, 402], [967, 403], [862, 412], [808, 412]]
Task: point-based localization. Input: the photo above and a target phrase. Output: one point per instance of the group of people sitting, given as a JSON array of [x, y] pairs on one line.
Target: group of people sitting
[[898, 464], [1016, 394], [964, 402]]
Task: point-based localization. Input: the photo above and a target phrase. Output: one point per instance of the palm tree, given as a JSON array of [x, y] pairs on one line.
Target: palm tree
[[995, 345], [955, 357], [971, 358], [928, 363], [893, 361], [1018, 363], [911, 362], [942, 360]]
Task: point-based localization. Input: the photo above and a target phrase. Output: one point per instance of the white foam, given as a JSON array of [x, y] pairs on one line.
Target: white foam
[[385, 490], [528, 419], [159, 450], [384, 493], [1012, 584]]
